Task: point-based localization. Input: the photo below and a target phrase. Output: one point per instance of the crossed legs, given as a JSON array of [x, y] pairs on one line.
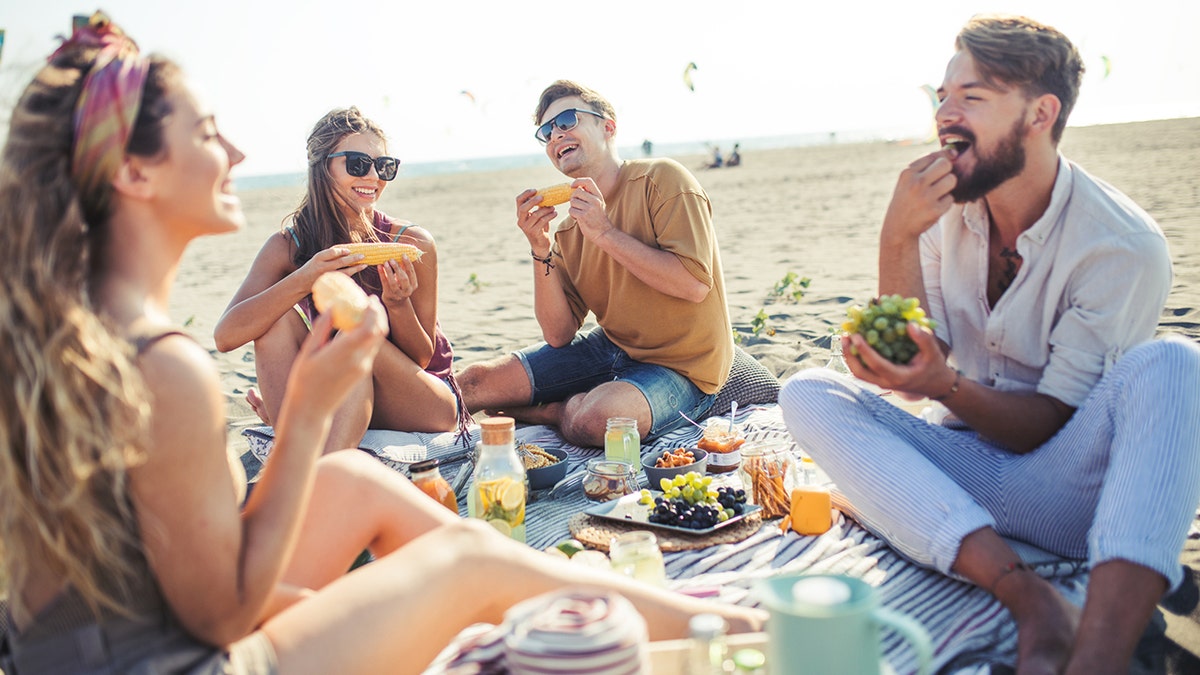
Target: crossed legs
[[503, 384], [400, 395], [1116, 484]]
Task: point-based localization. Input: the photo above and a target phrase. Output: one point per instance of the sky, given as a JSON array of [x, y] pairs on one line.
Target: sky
[[271, 69]]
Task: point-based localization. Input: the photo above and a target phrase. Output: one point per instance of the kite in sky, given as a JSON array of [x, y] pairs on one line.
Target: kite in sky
[[687, 76]]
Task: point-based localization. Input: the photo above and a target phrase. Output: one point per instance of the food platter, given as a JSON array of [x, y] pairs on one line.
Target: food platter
[[628, 509]]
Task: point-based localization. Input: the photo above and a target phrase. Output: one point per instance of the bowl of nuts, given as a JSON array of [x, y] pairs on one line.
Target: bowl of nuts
[[675, 462], [543, 466]]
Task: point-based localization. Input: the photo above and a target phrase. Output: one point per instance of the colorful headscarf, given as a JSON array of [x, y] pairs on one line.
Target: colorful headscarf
[[107, 107]]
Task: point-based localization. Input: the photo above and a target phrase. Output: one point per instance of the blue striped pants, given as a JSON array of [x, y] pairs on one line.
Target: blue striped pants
[[1120, 480]]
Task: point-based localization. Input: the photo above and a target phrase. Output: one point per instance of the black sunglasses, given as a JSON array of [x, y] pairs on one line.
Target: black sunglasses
[[565, 121], [359, 163]]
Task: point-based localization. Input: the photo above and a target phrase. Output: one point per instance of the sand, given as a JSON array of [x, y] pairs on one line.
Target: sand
[[813, 212]]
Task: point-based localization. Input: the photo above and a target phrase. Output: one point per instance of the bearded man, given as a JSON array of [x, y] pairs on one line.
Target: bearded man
[[1064, 423]]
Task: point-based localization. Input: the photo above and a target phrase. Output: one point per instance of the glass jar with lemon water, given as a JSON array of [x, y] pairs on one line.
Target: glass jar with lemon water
[[497, 493]]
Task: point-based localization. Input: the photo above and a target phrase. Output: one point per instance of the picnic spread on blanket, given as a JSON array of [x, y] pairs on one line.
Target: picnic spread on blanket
[[730, 558]]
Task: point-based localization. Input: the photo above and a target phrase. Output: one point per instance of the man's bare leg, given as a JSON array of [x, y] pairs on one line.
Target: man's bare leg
[[1046, 622], [549, 414], [1120, 601], [499, 383], [585, 415]]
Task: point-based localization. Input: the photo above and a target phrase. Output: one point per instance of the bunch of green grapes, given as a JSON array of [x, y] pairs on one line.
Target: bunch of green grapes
[[884, 325], [689, 501]]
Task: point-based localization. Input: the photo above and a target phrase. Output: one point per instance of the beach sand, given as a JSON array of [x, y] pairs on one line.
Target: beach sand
[[814, 212]]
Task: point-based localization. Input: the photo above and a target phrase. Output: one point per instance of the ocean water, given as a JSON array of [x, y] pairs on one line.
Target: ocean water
[[500, 163]]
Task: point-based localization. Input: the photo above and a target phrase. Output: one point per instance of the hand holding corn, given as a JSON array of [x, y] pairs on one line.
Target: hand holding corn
[[556, 194], [379, 252], [337, 294]]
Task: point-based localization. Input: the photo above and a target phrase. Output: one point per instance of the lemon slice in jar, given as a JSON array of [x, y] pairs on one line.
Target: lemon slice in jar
[[512, 495], [501, 526]]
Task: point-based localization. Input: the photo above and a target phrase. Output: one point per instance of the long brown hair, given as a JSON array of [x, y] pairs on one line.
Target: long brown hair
[[320, 220], [74, 411]]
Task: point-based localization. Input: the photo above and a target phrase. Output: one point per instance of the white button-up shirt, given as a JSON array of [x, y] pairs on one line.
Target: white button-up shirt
[[1094, 280]]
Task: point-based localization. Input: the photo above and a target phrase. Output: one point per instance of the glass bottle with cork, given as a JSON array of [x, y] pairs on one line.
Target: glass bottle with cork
[[428, 477], [497, 493]]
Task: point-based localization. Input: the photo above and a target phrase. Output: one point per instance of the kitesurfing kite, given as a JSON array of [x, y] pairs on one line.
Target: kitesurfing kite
[[935, 103], [687, 76]]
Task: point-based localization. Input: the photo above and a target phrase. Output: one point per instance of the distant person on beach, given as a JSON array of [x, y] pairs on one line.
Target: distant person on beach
[[647, 148], [639, 251], [1069, 427], [128, 547], [715, 161], [413, 388], [735, 156]]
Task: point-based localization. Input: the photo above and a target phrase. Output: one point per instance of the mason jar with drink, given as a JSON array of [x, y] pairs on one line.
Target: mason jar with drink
[[622, 442]]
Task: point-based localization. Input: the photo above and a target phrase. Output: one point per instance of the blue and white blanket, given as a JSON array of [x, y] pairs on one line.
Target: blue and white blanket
[[970, 630]]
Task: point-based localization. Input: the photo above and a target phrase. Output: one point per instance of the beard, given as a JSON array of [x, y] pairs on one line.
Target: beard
[[992, 170]]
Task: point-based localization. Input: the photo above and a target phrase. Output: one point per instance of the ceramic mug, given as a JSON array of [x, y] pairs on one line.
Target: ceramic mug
[[831, 624]]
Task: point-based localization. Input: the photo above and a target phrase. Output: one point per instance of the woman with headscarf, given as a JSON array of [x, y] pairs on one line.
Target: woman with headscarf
[[128, 542]]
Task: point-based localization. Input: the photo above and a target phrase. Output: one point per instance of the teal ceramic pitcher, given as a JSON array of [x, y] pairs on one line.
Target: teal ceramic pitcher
[[830, 624]]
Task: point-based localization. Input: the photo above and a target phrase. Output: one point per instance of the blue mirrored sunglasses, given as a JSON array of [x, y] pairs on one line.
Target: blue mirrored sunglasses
[[565, 121]]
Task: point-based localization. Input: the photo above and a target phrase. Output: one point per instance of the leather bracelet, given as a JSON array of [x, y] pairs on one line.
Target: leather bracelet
[[953, 388], [548, 261]]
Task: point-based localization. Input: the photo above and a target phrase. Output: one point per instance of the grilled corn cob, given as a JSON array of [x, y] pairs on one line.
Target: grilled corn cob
[[379, 252], [337, 294], [556, 194]]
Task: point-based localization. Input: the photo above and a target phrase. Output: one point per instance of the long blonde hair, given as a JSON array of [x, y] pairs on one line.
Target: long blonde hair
[[74, 409]]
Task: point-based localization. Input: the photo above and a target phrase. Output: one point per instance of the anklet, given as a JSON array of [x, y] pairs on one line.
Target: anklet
[[1008, 569]]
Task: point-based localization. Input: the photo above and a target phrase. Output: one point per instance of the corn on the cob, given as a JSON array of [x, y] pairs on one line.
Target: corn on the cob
[[379, 252], [337, 294], [556, 194]]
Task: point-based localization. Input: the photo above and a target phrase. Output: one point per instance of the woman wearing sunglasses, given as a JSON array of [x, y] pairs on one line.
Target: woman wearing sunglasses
[[129, 544], [413, 388]]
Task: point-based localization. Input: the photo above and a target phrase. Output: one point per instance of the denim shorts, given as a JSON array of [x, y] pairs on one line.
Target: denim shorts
[[591, 359]]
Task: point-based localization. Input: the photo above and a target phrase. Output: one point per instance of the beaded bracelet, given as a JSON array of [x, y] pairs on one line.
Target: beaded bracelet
[[547, 261], [953, 388]]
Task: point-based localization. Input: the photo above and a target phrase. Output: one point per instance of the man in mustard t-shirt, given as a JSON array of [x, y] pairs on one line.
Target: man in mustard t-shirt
[[639, 252]]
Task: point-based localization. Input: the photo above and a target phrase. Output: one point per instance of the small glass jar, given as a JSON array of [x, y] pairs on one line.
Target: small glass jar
[[622, 442], [428, 477], [769, 473], [606, 480], [709, 648], [636, 554], [723, 442]]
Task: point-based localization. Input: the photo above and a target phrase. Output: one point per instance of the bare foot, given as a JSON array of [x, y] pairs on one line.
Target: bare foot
[[256, 404], [1046, 622]]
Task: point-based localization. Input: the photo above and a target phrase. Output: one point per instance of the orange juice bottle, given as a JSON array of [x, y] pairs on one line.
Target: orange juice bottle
[[810, 503], [428, 477]]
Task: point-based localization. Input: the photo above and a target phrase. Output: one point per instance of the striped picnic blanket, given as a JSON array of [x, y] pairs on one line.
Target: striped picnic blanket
[[970, 630]]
